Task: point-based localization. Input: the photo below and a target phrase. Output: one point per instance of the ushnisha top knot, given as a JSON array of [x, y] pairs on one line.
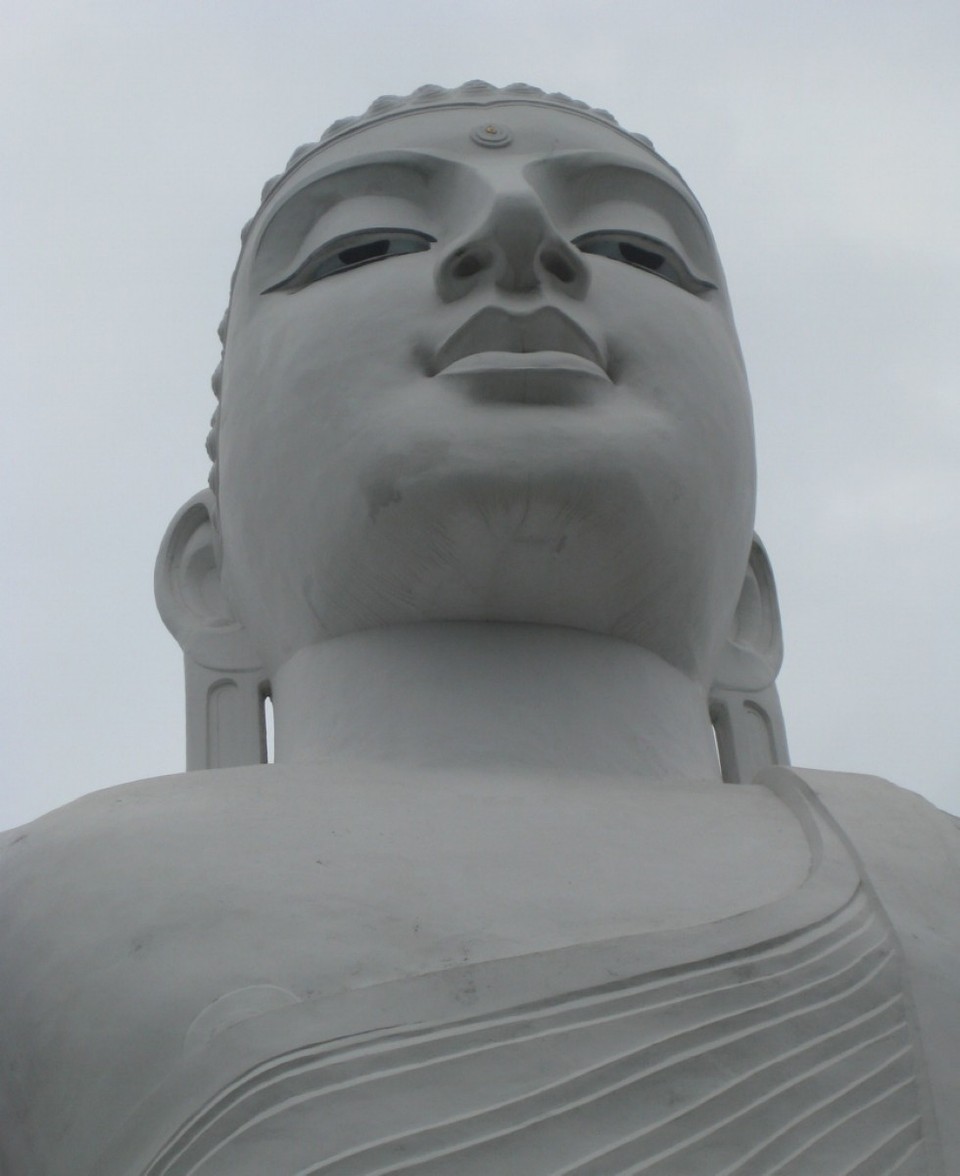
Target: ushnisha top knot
[[473, 92]]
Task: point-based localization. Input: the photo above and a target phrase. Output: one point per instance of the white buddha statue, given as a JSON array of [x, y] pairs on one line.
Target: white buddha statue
[[529, 887]]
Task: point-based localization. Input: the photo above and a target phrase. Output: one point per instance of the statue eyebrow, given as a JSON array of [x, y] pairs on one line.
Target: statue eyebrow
[[289, 216], [582, 163], [678, 202], [419, 164]]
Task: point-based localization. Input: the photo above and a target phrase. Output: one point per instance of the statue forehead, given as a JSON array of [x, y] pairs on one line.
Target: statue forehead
[[480, 137]]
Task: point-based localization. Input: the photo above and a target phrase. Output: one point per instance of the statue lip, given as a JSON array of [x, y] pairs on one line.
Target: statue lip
[[497, 339]]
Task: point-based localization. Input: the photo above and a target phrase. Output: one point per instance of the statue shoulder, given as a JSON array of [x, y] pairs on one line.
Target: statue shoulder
[[90, 914], [49, 866], [908, 853], [92, 815], [906, 845]]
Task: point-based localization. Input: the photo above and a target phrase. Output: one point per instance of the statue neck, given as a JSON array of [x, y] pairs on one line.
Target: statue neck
[[460, 695]]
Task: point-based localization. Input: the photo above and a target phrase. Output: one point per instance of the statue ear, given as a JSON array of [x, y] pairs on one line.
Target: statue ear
[[744, 704], [225, 683]]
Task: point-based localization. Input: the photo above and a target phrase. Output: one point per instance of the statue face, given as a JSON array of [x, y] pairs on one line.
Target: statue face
[[473, 381]]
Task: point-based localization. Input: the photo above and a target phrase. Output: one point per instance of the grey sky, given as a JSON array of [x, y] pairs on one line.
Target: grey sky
[[821, 139]]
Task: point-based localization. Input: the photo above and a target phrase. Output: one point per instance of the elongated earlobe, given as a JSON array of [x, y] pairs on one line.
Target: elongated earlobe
[[744, 704], [225, 684]]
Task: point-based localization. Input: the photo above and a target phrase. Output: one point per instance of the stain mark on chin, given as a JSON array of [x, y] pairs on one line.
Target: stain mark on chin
[[381, 495]]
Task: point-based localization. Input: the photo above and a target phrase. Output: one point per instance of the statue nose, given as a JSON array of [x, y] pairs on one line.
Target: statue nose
[[517, 249]]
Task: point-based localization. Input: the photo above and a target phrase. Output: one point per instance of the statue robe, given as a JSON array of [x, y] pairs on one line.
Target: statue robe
[[816, 1034]]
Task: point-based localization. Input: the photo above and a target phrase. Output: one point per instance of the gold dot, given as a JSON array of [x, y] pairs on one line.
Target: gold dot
[[491, 129]]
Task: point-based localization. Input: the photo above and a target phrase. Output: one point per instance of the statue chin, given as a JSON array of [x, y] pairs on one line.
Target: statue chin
[[529, 885]]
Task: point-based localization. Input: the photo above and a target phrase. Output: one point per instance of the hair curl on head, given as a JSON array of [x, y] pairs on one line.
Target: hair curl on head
[[473, 93]]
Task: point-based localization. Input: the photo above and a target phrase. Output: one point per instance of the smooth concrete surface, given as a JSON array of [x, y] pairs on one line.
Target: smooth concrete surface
[[480, 525]]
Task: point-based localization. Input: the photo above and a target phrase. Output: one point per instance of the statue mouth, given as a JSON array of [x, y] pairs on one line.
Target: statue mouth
[[496, 340]]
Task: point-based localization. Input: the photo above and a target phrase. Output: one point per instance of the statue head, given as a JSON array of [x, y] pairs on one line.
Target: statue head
[[479, 364]]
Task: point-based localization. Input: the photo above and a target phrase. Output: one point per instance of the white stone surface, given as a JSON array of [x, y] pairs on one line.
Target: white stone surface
[[484, 531]]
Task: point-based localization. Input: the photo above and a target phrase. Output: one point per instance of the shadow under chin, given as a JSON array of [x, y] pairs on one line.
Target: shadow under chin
[[563, 560]]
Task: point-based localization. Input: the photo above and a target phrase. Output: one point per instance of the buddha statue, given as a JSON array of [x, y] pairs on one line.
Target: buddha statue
[[529, 886]]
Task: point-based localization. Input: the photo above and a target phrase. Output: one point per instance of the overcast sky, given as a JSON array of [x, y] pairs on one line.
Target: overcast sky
[[823, 140]]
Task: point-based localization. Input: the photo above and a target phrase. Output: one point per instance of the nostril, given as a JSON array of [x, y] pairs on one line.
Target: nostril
[[557, 265], [467, 266]]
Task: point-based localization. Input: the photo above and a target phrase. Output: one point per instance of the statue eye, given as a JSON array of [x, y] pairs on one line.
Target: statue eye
[[350, 251], [644, 253]]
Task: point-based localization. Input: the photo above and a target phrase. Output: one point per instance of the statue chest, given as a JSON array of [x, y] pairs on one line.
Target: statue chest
[[596, 978]]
